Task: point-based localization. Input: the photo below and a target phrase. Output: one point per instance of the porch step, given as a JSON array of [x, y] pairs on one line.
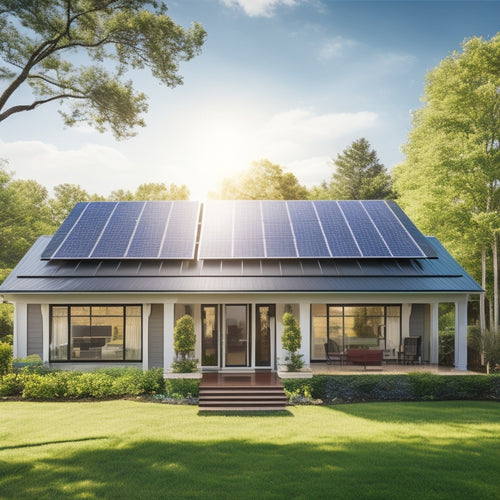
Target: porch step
[[232, 392]]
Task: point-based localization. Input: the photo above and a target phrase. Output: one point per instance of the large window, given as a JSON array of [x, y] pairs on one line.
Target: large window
[[96, 333], [351, 326]]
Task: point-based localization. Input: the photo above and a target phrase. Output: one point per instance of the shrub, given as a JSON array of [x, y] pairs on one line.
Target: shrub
[[11, 385], [153, 381], [291, 340], [184, 344], [182, 387], [6, 320], [492, 348], [5, 358], [447, 347]]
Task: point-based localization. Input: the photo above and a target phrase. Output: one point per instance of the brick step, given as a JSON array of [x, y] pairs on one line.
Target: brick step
[[242, 403], [243, 396], [239, 391]]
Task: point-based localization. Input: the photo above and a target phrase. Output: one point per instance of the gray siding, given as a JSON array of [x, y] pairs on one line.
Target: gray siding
[[35, 333], [155, 333], [417, 320]]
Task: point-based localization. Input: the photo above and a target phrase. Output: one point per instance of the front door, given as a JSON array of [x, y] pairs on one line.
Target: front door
[[236, 336]]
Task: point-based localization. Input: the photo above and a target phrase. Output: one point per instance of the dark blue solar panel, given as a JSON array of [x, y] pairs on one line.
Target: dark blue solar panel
[[278, 233], [217, 230], [150, 229], [340, 239], [116, 236], [395, 236], [367, 237], [247, 230], [308, 233], [62, 232], [181, 232], [81, 240]]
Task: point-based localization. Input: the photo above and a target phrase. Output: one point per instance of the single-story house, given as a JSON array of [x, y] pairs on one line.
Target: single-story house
[[108, 287]]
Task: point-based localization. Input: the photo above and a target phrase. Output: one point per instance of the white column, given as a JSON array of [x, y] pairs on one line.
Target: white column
[[461, 334], [434, 334], [168, 336], [405, 320], [45, 332], [146, 312], [20, 330], [305, 330]]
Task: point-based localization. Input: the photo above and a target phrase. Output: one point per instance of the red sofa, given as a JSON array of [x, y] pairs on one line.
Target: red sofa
[[364, 357]]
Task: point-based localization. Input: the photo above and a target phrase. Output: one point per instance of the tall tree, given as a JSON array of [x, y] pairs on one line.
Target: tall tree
[[449, 183], [66, 196], [152, 191], [262, 181], [358, 175], [41, 40]]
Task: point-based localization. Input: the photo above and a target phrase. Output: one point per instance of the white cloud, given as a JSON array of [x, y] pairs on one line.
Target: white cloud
[[335, 47], [98, 169], [256, 8]]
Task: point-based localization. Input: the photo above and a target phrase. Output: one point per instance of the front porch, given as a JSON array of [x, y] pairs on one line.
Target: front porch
[[322, 368]]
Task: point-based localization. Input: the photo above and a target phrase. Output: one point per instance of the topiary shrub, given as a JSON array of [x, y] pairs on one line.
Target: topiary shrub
[[184, 344], [291, 341]]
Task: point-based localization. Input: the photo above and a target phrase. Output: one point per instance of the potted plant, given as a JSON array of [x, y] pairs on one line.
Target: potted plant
[[291, 340], [184, 343]]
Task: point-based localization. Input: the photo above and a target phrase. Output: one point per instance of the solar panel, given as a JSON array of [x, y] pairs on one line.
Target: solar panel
[[127, 230], [278, 234], [307, 229], [63, 230], [82, 237], [367, 237], [217, 230], [117, 233], [248, 238]]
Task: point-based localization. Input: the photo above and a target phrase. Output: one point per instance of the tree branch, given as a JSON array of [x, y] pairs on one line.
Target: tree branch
[[29, 107]]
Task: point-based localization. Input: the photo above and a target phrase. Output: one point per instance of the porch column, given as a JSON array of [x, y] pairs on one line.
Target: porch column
[[45, 332], [146, 311], [20, 330], [434, 333], [461, 334], [168, 335], [305, 327]]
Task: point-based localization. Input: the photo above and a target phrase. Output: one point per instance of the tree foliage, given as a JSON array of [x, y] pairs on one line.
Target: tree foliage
[[263, 181], [449, 183], [291, 340], [358, 175], [152, 191], [79, 51]]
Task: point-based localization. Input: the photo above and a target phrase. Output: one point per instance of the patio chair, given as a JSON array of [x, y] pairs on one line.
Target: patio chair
[[411, 350], [333, 353]]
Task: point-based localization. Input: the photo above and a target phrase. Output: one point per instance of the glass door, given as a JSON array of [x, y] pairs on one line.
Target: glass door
[[237, 345], [209, 336], [264, 334]]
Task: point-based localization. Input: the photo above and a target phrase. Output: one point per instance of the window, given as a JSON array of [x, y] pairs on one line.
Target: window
[[351, 326], [96, 333]]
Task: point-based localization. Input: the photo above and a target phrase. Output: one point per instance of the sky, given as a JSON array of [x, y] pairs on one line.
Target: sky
[[292, 81]]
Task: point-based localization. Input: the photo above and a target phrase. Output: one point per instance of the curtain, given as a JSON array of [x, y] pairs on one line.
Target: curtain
[[133, 338], [59, 342]]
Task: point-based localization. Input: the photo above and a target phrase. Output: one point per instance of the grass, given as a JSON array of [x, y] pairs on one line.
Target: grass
[[126, 449]]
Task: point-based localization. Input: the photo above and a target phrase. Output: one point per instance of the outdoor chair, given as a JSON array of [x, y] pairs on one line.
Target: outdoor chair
[[411, 350], [333, 353]]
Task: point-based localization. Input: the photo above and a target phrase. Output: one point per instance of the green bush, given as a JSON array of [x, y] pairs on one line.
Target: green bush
[[11, 385], [6, 320], [291, 340], [5, 358], [447, 347], [182, 387]]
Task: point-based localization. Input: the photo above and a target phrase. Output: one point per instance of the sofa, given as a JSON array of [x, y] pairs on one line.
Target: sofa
[[365, 357]]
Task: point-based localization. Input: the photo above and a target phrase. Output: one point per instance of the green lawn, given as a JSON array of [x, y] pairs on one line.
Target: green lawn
[[128, 449]]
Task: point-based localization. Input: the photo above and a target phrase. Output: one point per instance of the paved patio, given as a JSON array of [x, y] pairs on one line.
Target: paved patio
[[389, 368]]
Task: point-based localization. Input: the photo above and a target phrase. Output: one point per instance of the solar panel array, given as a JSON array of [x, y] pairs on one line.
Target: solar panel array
[[237, 230], [127, 230], [309, 229]]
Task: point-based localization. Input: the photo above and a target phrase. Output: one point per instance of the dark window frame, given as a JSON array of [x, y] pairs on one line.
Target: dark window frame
[[90, 315]]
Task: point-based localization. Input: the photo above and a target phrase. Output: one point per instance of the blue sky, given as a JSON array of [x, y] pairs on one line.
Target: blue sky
[[294, 81]]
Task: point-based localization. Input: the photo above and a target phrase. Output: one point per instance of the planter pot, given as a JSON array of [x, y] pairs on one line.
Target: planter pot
[[193, 375], [302, 373]]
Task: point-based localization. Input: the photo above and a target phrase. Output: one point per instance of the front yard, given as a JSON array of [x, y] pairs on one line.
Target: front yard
[[127, 449]]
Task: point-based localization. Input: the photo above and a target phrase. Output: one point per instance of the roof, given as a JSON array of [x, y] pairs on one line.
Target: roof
[[440, 274]]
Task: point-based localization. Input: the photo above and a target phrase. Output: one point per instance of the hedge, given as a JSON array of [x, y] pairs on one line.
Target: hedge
[[41, 383]]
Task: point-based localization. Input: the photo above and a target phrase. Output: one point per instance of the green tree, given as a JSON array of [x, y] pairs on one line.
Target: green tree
[[263, 181], [358, 175], [159, 191], [43, 45], [66, 196], [449, 182], [184, 344]]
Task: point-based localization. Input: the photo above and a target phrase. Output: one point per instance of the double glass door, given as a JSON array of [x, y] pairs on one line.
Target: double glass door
[[227, 338]]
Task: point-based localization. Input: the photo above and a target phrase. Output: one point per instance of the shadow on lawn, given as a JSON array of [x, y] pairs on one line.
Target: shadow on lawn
[[46, 443], [442, 412], [331, 468]]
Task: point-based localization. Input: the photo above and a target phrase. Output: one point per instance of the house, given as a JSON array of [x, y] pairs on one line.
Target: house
[[109, 285]]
